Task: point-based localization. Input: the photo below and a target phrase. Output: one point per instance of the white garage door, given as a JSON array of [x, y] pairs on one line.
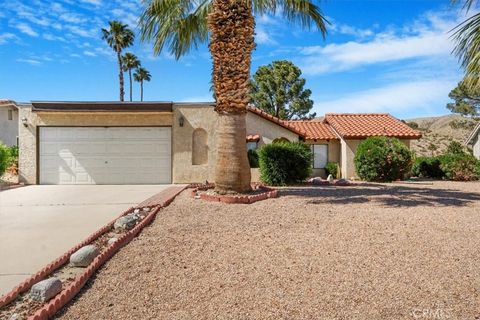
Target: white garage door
[[113, 155]]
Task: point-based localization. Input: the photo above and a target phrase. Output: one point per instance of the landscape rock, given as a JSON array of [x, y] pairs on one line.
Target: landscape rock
[[14, 316], [84, 256], [330, 178], [317, 181], [342, 182], [126, 222], [46, 289], [146, 209], [112, 240], [137, 210]]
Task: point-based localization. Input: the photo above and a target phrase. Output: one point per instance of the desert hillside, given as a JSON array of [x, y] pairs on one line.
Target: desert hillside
[[438, 132]]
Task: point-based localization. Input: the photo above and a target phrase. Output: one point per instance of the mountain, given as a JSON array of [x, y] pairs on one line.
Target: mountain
[[438, 132]]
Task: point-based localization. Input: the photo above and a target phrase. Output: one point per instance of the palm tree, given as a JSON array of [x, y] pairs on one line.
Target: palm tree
[[230, 24], [130, 61], [118, 37], [140, 75], [467, 48]]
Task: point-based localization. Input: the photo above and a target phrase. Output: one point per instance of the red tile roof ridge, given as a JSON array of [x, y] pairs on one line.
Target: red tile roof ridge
[[282, 123]]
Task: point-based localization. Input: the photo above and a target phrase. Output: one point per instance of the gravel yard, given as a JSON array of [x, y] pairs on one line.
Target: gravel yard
[[398, 251]]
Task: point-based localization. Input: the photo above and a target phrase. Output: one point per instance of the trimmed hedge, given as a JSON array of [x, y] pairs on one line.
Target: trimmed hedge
[[459, 166], [252, 158], [5, 158], [427, 167], [284, 163], [382, 159], [333, 169]]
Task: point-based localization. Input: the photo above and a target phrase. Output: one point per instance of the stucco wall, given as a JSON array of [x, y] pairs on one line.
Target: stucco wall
[[333, 154], [8, 128], [194, 117], [476, 147], [347, 154], [28, 135], [267, 130]]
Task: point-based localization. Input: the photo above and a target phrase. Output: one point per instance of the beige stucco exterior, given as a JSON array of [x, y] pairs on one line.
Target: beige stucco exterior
[[194, 117], [9, 126], [190, 161], [28, 135], [348, 148], [267, 130], [333, 154]]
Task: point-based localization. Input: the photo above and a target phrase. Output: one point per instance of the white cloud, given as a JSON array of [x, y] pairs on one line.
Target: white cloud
[[94, 2], [25, 28], [51, 37], [92, 33], [32, 62], [425, 38], [89, 53], [6, 36], [263, 37], [397, 98]]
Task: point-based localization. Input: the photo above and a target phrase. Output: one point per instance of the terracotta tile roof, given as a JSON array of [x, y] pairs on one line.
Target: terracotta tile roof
[[253, 138], [6, 102], [369, 124], [276, 120], [314, 130]]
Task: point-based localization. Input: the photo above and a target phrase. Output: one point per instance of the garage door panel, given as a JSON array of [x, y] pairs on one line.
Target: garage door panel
[[128, 155]]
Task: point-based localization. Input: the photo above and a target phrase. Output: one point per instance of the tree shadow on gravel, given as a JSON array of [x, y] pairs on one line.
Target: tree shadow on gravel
[[393, 196]]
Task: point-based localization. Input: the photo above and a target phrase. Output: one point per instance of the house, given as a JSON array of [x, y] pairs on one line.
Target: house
[[8, 122], [166, 142], [474, 141]]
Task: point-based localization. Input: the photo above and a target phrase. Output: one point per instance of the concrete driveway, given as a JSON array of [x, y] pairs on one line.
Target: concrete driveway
[[39, 223]]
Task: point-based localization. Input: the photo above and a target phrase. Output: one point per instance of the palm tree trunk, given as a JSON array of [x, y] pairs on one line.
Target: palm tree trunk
[[232, 27], [141, 90], [120, 74], [130, 77]]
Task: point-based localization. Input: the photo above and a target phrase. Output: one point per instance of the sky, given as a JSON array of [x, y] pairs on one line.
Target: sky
[[378, 56]]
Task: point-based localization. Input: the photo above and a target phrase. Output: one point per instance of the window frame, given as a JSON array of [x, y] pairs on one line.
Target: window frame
[[313, 154], [10, 114]]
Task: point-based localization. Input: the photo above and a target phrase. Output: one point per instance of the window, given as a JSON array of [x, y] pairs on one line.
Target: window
[[10, 114], [320, 155], [282, 139], [252, 145]]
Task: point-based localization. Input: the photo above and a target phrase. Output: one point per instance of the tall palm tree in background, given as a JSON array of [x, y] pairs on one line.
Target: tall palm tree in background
[[118, 37], [130, 61], [230, 24], [140, 75], [467, 48]]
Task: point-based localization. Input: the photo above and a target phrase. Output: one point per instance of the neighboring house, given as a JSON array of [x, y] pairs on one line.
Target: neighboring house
[[8, 122], [474, 141], [163, 142]]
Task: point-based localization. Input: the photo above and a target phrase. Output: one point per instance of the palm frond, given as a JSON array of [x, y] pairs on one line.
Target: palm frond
[[468, 3], [304, 13], [175, 23]]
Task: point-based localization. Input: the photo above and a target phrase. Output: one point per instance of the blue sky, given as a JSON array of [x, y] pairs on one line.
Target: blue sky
[[379, 56]]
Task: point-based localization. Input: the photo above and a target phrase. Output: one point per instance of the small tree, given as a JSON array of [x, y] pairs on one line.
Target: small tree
[[466, 100], [277, 89], [382, 159]]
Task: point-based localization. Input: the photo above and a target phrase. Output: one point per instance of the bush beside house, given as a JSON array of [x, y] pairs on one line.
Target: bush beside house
[[8, 157], [455, 164], [382, 159], [253, 158], [284, 163], [333, 169]]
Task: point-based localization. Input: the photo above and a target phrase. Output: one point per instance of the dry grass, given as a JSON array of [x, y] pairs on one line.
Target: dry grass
[[365, 252]]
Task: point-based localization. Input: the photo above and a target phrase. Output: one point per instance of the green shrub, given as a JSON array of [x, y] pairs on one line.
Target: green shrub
[[427, 167], [285, 162], [382, 159], [5, 158], [459, 166], [477, 169], [252, 158], [455, 148], [333, 169]]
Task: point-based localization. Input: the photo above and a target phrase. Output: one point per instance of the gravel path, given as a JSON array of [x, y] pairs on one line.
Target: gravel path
[[398, 251]]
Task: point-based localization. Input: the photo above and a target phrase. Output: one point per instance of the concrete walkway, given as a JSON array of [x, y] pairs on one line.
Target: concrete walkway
[[39, 223]]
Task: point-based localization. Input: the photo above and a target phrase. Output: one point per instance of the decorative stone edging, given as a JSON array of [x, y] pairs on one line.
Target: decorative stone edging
[[67, 294], [57, 263], [242, 199], [11, 186]]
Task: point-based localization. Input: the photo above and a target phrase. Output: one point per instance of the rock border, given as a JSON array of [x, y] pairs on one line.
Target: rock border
[[267, 193], [69, 292]]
